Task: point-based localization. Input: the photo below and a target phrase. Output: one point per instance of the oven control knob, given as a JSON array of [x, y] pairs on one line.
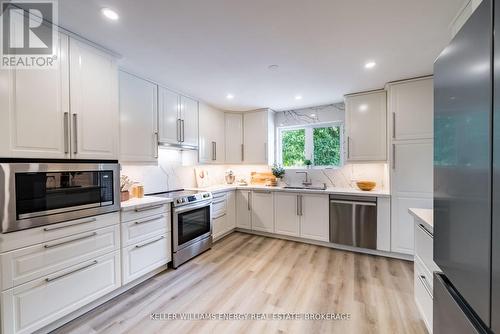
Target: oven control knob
[[179, 200]]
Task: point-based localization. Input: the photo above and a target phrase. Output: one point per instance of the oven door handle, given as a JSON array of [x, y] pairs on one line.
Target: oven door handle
[[192, 207]]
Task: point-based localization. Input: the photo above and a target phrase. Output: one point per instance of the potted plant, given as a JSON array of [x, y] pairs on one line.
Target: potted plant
[[308, 163], [278, 172]]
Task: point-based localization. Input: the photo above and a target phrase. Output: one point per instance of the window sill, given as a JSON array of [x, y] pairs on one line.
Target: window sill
[[312, 168]]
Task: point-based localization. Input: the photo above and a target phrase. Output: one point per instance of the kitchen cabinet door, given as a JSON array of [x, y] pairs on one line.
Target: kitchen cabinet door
[[189, 121], [168, 116], [255, 137], [286, 213], [34, 116], [366, 126], [94, 103], [138, 119], [231, 210], [233, 137], [411, 187], [243, 209], [262, 211], [212, 140], [411, 108], [314, 210]]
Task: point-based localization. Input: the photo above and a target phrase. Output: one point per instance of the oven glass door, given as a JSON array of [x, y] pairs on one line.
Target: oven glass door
[[193, 224], [44, 193]]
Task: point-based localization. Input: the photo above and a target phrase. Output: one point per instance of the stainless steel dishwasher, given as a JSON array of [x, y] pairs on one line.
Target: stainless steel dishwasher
[[353, 221]]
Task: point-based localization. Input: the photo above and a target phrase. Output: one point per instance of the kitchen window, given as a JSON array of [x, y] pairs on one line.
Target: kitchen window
[[321, 143]]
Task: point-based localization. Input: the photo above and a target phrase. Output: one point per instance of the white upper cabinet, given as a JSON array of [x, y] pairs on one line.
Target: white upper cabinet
[[411, 109], [94, 103], [262, 211], [168, 115], [366, 126], [212, 140], [178, 119], [189, 121], [34, 110], [234, 137], [138, 119], [258, 137]]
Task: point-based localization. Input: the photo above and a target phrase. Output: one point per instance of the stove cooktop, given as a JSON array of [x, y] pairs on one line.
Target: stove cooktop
[[183, 197]]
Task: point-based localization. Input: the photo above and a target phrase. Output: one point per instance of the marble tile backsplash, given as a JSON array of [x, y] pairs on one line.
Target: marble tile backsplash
[[177, 169]]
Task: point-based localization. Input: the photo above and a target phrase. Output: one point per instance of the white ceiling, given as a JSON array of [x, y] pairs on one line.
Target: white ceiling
[[209, 48]]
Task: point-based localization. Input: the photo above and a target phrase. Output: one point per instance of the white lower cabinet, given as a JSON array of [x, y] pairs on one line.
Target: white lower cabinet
[[144, 228], [315, 221], [231, 210], [42, 301], [423, 292], [262, 211], [243, 209], [224, 214], [286, 213], [146, 256], [218, 227]]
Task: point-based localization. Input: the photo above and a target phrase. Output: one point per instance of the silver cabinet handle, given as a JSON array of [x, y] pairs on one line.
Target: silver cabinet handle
[[70, 241], [242, 152], [150, 242], [348, 147], [146, 208], [75, 133], [179, 130], [214, 148], [424, 282], [393, 124], [353, 202], [155, 147], [148, 220], [249, 200], [301, 212], [265, 152], [91, 220], [182, 132], [66, 132], [393, 156], [423, 228], [48, 279], [297, 205]]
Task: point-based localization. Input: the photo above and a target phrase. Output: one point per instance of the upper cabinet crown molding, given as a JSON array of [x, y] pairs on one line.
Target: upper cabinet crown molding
[[366, 126]]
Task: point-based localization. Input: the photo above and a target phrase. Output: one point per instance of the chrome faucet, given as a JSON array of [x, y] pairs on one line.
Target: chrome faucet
[[307, 182]]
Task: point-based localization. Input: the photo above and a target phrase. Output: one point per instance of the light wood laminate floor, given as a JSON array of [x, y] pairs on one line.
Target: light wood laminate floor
[[252, 274]]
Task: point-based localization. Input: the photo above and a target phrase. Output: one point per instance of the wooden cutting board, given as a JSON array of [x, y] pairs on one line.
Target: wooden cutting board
[[261, 178]]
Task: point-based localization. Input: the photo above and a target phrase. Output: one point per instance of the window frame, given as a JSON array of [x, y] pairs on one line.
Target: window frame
[[309, 143]]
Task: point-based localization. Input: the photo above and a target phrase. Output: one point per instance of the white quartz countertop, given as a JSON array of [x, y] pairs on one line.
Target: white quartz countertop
[[135, 203], [425, 216], [332, 190]]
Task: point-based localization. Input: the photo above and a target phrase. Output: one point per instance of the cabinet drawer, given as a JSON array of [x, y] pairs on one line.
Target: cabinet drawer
[[33, 236], [145, 211], [424, 247], [38, 303], [141, 229], [146, 256], [219, 226], [25, 264], [219, 206], [423, 293]]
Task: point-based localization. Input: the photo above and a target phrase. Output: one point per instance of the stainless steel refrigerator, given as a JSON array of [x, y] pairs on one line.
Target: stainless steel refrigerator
[[467, 178]]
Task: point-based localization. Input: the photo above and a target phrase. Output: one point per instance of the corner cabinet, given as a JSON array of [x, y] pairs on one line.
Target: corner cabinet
[[94, 103], [138, 119], [366, 126], [258, 137], [178, 119]]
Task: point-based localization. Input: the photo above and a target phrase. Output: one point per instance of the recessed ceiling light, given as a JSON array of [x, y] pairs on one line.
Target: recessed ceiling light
[[298, 97], [229, 96], [313, 115], [273, 67], [363, 107], [110, 14], [370, 64]]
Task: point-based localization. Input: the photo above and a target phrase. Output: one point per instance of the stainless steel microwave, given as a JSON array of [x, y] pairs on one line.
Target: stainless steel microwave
[[38, 194]]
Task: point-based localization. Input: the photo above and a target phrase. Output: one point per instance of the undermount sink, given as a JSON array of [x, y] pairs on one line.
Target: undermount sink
[[306, 187]]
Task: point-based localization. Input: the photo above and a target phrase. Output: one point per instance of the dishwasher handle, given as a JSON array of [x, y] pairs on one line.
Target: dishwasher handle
[[353, 202]]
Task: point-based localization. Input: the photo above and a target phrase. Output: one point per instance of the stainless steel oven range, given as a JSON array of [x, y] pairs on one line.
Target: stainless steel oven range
[[42, 193], [191, 224]]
